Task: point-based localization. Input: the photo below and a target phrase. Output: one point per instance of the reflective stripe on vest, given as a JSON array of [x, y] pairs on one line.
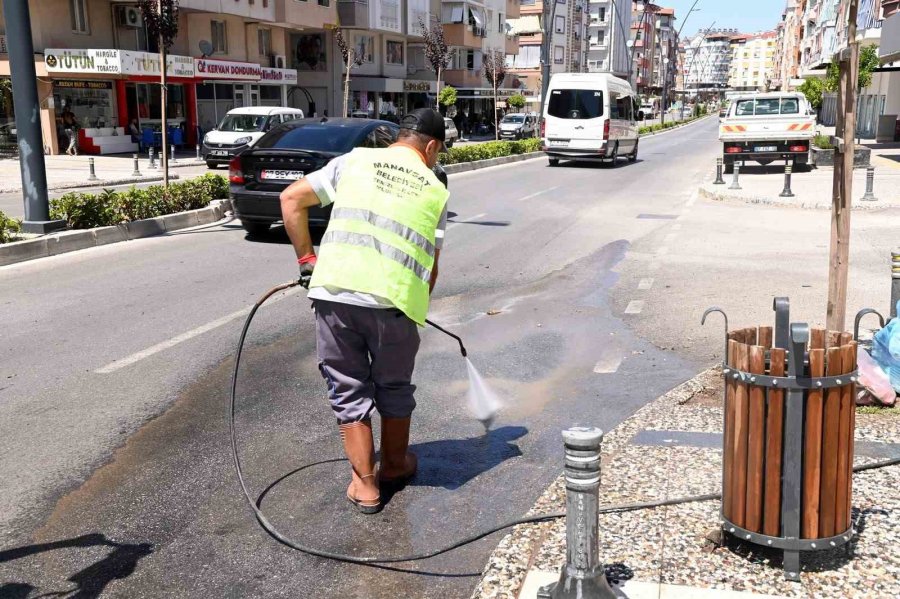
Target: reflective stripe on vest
[[389, 224], [388, 251]]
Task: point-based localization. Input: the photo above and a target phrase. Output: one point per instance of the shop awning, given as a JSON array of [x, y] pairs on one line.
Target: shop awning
[[477, 15]]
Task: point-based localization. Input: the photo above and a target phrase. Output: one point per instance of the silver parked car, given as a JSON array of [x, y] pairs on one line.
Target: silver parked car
[[518, 126], [452, 134]]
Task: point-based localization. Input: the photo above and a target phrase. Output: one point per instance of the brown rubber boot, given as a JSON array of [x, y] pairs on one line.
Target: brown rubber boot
[[398, 465], [360, 448]]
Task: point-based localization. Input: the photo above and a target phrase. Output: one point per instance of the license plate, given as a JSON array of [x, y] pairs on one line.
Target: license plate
[[220, 152], [281, 175], [558, 142], [765, 149]]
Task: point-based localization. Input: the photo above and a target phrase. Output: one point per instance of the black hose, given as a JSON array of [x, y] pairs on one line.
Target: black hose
[[273, 532]]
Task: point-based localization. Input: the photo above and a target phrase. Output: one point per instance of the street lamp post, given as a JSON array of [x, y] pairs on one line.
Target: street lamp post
[[665, 99]]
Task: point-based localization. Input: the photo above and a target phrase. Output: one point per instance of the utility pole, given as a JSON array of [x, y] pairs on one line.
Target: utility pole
[[548, 12], [839, 253], [28, 119], [164, 96], [676, 41]]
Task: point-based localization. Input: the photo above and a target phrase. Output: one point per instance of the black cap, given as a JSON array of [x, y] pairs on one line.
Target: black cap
[[428, 122]]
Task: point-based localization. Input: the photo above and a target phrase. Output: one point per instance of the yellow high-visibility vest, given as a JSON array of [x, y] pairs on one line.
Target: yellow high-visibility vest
[[381, 236]]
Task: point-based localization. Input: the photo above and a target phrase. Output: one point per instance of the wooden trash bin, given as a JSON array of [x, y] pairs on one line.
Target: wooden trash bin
[[788, 437]]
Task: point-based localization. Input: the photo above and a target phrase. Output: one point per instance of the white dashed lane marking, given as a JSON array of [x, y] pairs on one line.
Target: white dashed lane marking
[[645, 284], [466, 220], [634, 307], [536, 194]]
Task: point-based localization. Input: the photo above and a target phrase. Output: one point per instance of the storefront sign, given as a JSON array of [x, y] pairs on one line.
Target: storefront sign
[[280, 76], [226, 69], [416, 86], [83, 61], [69, 84], [146, 63]]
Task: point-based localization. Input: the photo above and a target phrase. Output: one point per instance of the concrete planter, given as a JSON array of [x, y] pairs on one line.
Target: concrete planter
[[820, 157]]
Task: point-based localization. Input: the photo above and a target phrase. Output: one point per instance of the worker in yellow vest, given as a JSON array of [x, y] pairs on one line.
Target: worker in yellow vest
[[370, 286]]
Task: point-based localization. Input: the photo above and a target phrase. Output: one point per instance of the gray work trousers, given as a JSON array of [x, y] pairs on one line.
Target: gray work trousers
[[366, 356]]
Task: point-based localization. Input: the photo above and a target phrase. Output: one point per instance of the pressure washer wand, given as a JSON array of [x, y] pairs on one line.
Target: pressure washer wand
[[462, 348]]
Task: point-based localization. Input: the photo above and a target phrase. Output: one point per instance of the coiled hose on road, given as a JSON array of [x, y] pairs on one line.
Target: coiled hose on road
[[370, 560]]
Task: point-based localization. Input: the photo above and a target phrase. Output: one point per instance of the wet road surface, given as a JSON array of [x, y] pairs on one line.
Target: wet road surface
[[114, 400]]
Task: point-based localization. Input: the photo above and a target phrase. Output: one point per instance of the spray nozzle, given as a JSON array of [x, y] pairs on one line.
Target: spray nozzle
[[462, 348]]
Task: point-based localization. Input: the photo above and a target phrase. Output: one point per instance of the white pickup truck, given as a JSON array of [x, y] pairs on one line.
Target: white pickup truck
[[767, 127]]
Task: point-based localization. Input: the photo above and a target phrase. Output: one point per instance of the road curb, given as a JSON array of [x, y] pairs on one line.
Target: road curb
[[723, 196], [71, 241], [464, 167]]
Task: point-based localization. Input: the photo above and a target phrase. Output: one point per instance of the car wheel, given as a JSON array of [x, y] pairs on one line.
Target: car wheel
[[212, 165], [633, 156], [449, 144], [554, 162], [729, 168], [254, 228]]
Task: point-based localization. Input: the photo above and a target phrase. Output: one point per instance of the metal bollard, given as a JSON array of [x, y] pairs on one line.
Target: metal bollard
[[786, 192], [137, 170], [719, 180], [198, 153], [152, 158], [734, 181], [870, 185], [895, 281], [172, 155], [583, 576], [93, 175]]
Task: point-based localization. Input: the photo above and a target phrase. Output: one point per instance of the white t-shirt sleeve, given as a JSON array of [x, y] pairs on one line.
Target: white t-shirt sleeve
[[325, 180], [441, 228]]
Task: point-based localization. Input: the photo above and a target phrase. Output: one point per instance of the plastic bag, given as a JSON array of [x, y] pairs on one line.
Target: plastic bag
[[880, 372]]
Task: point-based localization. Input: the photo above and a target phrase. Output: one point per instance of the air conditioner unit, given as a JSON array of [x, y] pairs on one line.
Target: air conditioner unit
[[131, 17], [279, 61]]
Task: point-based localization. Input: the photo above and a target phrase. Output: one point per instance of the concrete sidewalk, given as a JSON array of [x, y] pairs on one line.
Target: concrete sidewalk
[[72, 171], [671, 448], [764, 184]]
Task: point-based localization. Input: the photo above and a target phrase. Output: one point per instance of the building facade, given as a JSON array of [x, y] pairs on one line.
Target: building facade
[[654, 49], [752, 61], [568, 45], [708, 60], [608, 32]]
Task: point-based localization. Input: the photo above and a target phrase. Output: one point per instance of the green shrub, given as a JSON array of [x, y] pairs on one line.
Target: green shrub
[[823, 142], [9, 227], [87, 210], [491, 149]]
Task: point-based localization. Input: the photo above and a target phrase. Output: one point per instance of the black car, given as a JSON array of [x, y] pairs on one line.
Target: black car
[[290, 152]]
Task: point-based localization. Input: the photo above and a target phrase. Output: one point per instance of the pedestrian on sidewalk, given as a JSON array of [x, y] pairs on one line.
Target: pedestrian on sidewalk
[[70, 126], [370, 286]]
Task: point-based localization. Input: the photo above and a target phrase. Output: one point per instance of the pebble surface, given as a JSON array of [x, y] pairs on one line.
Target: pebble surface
[[669, 544]]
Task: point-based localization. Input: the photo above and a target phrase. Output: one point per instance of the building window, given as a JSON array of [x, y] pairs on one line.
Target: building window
[[500, 22], [602, 15], [559, 53], [219, 41], [601, 37], [79, 13], [560, 24], [393, 53], [324, 2], [264, 37], [526, 2]]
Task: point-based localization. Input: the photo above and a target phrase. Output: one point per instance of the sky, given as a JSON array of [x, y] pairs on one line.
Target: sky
[[747, 16]]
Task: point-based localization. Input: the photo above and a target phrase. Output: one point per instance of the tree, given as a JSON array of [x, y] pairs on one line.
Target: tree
[[493, 67], [447, 96], [350, 60], [437, 53], [814, 89], [868, 62], [161, 20], [517, 101]]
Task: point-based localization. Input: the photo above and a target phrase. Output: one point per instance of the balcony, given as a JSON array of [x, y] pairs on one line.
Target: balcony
[[463, 35], [512, 44], [460, 78], [353, 14], [513, 9]]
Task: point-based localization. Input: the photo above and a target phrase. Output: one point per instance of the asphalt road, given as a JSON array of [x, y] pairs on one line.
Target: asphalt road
[[115, 369]]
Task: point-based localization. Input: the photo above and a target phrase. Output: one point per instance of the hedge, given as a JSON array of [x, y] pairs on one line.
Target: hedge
[[109, 207], [662, 126], [9, 228], [491, 149]]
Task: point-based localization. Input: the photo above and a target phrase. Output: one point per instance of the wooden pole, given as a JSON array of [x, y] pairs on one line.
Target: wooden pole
[[843, 179]]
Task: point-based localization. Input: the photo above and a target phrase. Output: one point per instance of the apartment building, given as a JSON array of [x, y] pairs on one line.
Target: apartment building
[[708, 60], [568, 44], [654, 47], [752, 61], [95, 59], [609, 29]]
